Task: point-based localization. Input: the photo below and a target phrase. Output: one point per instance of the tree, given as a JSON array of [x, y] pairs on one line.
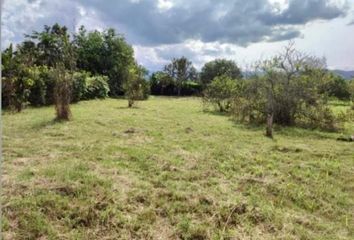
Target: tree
[[220, 93], [16, 80], [104, 53], [57, 52], [336, 86], [217, 68], [160, 81], [53, 45], [134, 84], [181, 70], [286, 90]]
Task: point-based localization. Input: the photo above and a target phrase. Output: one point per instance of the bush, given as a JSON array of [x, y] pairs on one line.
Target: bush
[[96, 87], [220, 92], [79, 85], [191, 88], [163, 84], [16, 90], [134, 85], [62, 92]]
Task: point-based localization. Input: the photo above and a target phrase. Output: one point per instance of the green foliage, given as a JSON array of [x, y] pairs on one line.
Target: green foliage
[[96, 87], [286, 90], [79, 85], [162, 84], [39, 91], [16, 80], [54, 46], [135, 86], [104, 53], [180, 70], [220, 93], [337, 87], [218, 68]]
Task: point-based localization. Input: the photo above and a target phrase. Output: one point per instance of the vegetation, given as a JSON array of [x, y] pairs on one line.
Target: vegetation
[[180, 70], [174, 172], [104, 53], [168, 169], [218, 68], [134, 84], [288, 89], [220, 93]]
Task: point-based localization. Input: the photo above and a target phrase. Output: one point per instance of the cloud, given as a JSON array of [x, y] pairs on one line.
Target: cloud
[[162, 29], [239, 22], [156, 22]]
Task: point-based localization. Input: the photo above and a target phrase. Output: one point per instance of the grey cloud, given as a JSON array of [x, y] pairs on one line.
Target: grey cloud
[[227, 21], [239, 22]]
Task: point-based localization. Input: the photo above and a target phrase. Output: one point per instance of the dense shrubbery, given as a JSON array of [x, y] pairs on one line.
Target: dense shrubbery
[[26, 70], [96, 87], [220, 93], [37, 87], [161, 84], [287, 90]]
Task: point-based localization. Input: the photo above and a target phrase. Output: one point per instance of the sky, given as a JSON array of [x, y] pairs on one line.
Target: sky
[[201, 30]]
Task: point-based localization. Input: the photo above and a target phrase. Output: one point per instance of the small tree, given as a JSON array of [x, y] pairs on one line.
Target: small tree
[[62, 93], [134, 84], [220, 93], [286, 90]]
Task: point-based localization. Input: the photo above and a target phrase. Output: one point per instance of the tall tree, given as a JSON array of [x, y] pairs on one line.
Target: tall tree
[[181, 70], [105, 53], [218, 68]]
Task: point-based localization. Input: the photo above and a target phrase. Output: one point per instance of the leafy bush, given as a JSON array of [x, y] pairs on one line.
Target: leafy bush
[[96, 87], [336, 86], [134, 86], [15, 92], [62, 92], [220, 93], [79, 85], [190, 88], [286, 90]]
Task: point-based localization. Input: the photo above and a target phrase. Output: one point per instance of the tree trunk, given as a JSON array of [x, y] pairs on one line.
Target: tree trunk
[[130, 103], [269, 129]]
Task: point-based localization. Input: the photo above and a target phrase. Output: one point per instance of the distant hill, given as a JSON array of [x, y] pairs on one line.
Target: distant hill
[[344, 74]]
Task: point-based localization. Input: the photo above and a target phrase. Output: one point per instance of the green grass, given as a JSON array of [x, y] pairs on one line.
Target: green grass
[[168, 170]]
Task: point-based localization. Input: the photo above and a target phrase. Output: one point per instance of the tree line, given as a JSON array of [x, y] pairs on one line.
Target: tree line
[[53, 66]]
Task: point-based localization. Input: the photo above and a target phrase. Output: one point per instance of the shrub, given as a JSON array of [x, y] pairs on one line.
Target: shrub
[[16, 90], [134, 85], [286, 90], [190, 88], [62, 93], [96, 87], [40, 91], [220, 92], [79, 85]]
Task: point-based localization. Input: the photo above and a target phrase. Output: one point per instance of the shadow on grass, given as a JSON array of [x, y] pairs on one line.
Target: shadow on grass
[[46, 123], [215, 113], [287, 131]]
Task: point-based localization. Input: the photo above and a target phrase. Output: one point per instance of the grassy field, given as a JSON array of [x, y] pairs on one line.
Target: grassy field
[[168, 170]]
